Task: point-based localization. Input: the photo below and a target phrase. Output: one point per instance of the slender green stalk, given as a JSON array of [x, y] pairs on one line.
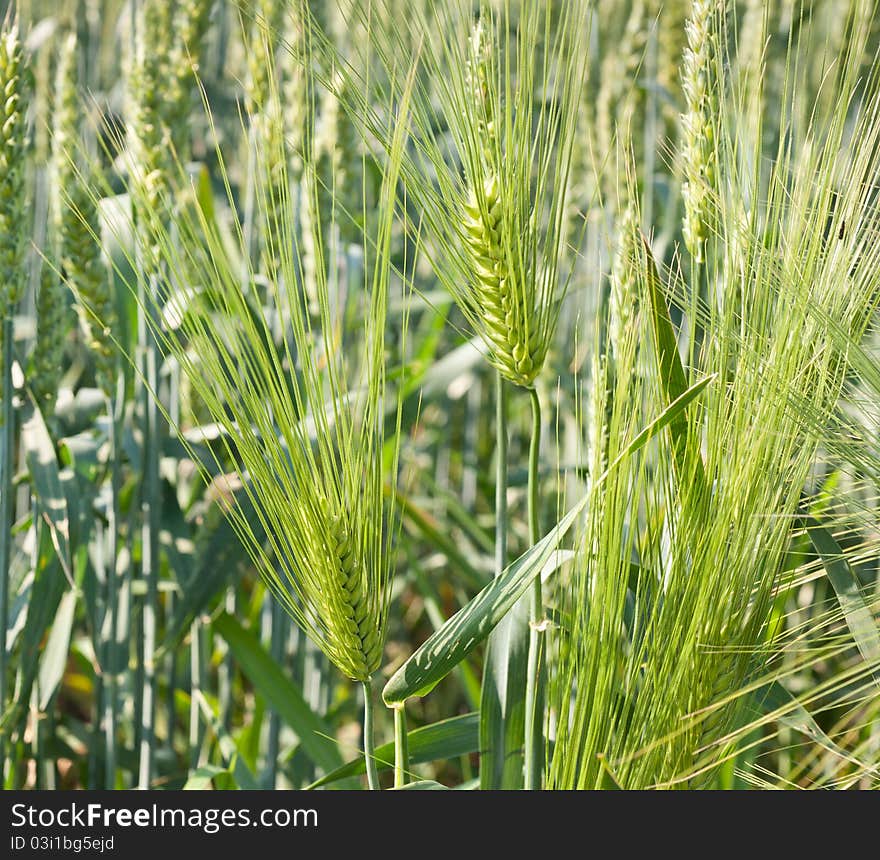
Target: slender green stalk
[[195, 691], [369, 741], [401, 748], [500, 476], [502, 694], [115, 407], [277, 630], [534, 739], [226, 669], [95, 771], [150, 502], [7, 440]]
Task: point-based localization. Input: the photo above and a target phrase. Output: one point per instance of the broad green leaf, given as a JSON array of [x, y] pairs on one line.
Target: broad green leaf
[[502, 703], [54, 658], [444, 740], [859, 617], [43, 468], [427, 588], [281, 694], [473, 623], [45, 593]]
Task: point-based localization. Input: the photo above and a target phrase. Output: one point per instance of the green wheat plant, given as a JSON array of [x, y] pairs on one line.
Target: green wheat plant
[[517, 357], [495, 119], [669, 609], [304, 416]]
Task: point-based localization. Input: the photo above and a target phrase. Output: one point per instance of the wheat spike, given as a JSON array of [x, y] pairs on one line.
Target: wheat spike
[[191, 26], [624, 286], [352, 620], [53, 325], [502, 299], [698, 145], [15, 78], [78, 224]]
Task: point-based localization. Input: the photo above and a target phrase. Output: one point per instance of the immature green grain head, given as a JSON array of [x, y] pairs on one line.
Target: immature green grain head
[[500, 292], [308, 426], [190, 28], [77, 221], [495, 121], [699, 160], [621, 94], [149, 75], [295, 95], [623, 298], [53, 326], [514, 123], [15, 80], [153, 107]]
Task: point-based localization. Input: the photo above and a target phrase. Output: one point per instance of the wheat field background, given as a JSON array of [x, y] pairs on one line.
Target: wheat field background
[[440, 394]]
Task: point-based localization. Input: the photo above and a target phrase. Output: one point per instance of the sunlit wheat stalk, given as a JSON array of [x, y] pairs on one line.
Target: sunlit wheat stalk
[[15, 80]]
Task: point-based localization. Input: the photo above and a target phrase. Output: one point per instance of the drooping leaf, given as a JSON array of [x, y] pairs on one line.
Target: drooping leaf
[[422, 785], [202, 778], [43, 468], [54, 658]]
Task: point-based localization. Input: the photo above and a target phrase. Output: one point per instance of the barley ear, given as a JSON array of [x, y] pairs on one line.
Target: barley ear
[[53, 326], [78, 225], [503, 302], [191, 25], [624, 281], [15, 78], [698, 138], [352, 622], [151, 112]]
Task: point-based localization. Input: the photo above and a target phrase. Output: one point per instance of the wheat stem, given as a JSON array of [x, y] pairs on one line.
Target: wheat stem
[[273, 735], [500, 476], [116, 411], [150, 537], [534, 740], [500, 733], [401, 747], [8, 440], [196, 669], [369, 741]]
